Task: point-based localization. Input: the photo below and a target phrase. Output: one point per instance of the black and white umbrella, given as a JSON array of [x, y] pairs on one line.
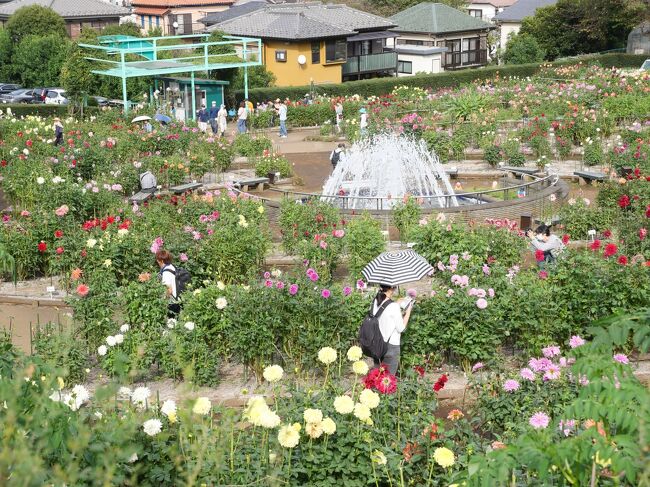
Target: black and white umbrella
[[394, 268]]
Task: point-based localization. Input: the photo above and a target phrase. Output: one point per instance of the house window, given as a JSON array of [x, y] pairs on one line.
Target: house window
[[150, 22], [142, 21], [280, 56], [157, 21], [452, 56], [336, 50], [405, 67], [315, 52], [478, 13], [470, 51]]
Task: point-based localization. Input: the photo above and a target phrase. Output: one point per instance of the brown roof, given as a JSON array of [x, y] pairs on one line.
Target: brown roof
[[179, 3], [151, 11]]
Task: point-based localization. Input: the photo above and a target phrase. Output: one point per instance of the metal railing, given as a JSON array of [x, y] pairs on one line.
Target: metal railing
[[370, 62], [459, 59], [375, 203]]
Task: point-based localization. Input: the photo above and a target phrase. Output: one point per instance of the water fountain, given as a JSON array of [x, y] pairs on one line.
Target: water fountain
[[380, 171]]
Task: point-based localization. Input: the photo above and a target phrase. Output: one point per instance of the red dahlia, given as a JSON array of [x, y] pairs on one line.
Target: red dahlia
[[565, 239], [387, 383], [42, 246], [610, 249], [622, 260], [595, 245], [539, 255]]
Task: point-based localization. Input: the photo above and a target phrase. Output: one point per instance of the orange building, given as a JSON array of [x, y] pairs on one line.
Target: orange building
[[313, 42]]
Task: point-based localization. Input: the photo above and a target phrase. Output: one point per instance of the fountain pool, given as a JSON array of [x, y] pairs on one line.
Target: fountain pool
[[386, 168]]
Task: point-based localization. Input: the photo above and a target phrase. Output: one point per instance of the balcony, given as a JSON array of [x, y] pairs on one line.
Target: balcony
[[370, 62], [465, 59]]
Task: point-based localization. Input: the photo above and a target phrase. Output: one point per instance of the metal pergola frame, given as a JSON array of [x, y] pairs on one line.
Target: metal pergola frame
[[112, 46]]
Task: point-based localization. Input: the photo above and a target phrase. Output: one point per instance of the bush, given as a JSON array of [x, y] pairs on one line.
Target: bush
[[440, 142], [42, 110], [406, 216], [248, 146], [364, 242], [272, 163], [522, 49], [382, 86]]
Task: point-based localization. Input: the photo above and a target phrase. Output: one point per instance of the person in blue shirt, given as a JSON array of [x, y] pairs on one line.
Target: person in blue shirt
[[204, 116], [213, 113]]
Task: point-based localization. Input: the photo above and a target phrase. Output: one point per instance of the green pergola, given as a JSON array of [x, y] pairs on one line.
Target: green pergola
[[196, 57]]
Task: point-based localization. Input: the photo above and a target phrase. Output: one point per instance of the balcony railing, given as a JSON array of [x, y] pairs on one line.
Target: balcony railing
[[455, 60], [370, 62]]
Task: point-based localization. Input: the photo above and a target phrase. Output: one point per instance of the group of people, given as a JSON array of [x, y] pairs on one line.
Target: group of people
[[217, 118]]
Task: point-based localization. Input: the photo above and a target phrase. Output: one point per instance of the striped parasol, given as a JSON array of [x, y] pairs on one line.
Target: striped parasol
[[394, 268]]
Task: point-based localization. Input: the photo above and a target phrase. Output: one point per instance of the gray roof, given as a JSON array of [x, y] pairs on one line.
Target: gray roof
[[419, 50], [522, 8], [68, 9], [302, 21], [436, 18], [232, 12]]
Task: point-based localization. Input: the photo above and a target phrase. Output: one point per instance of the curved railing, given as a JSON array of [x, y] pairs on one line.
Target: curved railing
[[378, 203]]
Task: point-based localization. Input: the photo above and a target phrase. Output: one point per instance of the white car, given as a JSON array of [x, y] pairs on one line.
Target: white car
[[56, 96]]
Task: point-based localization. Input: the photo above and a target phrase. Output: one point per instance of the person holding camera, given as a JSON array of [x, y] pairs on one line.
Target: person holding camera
[[391, 324]]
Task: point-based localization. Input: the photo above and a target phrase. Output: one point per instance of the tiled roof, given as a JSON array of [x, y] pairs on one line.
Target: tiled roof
[[302, 21], [232, 12], [521, 9], [436, 18], [179, 3], [68, 8]]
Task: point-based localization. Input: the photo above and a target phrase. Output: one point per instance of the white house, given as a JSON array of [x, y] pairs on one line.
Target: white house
[[435, 37], [509, 20], [487, 9]]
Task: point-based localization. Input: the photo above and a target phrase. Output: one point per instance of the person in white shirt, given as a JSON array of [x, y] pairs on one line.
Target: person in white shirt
[[242, 115], [363, 122], [542, 239], [222, 121], [338, 109], [391, 324], [168, 278], [282, 113]]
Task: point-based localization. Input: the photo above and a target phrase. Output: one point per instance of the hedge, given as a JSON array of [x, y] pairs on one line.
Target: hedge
[[23, 109], [382, 86]]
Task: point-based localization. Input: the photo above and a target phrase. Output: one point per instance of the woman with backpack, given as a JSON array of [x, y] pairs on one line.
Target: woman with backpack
[[391, 325], [168, 278]]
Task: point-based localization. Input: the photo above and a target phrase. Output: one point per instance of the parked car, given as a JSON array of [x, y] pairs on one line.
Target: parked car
[[646, 65], [56, 96], [17, 96], [8, 88], [39, 95], [101, 101]]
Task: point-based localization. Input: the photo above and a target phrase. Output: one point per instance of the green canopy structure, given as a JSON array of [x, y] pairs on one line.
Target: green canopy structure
[[132, 57]]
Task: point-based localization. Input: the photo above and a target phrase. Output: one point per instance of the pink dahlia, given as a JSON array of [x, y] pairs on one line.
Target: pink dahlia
[[510, 385], [576, 341], [551, 351], [621, 358], [539, 420], [527, 374], [481, 303]]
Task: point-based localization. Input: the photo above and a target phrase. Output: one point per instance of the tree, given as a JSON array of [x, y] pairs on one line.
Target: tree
[[35, 20], [573, 27], [258, 77], [218, 36], [5, 55], [127, 29], [522, 49], [391, 7], [37, 61], [76, 78]]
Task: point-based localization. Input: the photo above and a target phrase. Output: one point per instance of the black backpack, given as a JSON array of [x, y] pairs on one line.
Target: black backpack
[[336, 157], [182, 277], [370, 339]]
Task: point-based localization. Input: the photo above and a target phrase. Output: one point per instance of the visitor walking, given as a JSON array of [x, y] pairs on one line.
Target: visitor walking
[[363, 121], [282, 113], [168, 278], [338, 110], [542, 240], [203, 117], [148, 127], [58, 131], [222, 120], [214, 111], [242, 115], [391, 325], [335, 156]]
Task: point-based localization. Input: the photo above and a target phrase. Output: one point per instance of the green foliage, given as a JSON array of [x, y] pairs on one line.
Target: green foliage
[[37, 61], [6, 45], [391, 7], [492, 155], [126, 28], [37, 21], [248, 146], [576, 27], [522, 49], [405, 216], [440, 142], [300, 222], [76, 78], [593, 153], [382, 86], [465, 106], [364, 241], [63, 350]]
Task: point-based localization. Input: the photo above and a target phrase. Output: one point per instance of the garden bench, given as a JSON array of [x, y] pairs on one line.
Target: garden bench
[[251, 183], [586, 177], [183, 188], [520, 172], [141, 196]]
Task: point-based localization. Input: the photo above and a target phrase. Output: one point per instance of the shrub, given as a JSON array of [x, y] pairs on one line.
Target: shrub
[[405, 216], [440, 142], [492, 155], [302, 221], [364, 241], [593, 155], [248, 146]]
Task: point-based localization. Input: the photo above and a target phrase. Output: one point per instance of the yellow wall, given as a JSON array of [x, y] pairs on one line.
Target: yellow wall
[[290, 73]]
